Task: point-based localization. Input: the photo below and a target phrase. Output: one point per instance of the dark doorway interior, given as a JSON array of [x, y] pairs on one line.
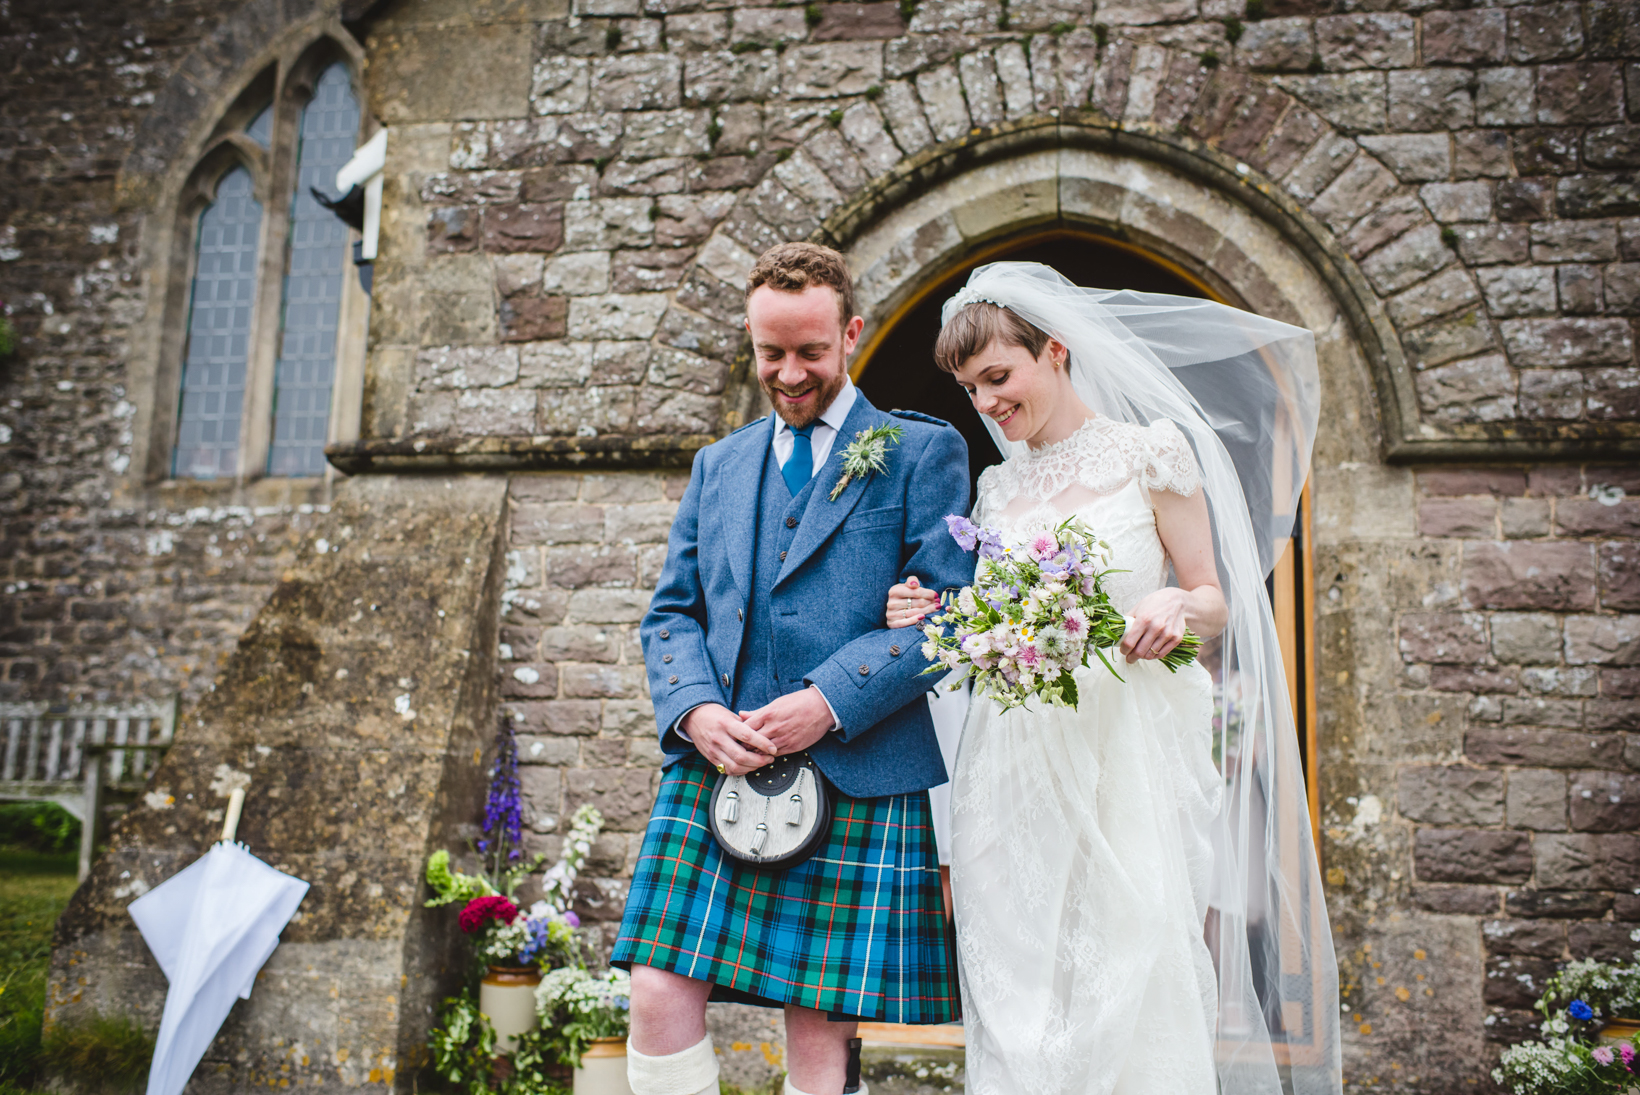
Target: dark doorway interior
[[901, 373]]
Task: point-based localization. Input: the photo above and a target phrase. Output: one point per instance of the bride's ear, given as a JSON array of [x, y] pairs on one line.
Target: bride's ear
[[1057, 353]]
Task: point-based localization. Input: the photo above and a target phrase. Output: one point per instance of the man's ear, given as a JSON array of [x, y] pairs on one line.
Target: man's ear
[[851, 335]]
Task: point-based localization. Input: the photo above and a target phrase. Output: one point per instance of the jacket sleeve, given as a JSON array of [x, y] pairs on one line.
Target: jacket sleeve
[[676, 625], [880, 672]]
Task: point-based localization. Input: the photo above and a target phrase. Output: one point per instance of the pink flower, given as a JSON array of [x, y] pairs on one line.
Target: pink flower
[[1028, 656], [1603, 1054], [1043, 546], [1075, 622], [1626, 1051]]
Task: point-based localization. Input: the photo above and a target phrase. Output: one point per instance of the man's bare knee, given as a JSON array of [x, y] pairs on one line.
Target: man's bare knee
[[668, 1011]]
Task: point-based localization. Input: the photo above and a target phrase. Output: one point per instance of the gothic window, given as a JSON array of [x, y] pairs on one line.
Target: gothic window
[[272, 320]]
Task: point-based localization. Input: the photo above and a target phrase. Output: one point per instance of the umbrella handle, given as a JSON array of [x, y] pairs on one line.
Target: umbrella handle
[[230, 823]]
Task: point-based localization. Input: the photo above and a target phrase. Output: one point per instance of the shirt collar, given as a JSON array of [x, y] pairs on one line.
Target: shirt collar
[[834, 415]]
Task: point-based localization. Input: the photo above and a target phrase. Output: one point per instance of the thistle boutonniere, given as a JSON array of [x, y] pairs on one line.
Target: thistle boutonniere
[[868, 452]]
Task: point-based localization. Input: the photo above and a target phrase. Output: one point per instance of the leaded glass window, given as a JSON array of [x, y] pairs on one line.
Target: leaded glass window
[[306, 371], [261, 128], [219, 330]]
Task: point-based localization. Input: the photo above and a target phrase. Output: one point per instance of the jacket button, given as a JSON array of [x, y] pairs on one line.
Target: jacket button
[[782, 556], [668, 657], [726, 680], [665, 634], [893, 650], [740, 615], [673, 679], [865, 669], [791, 522]]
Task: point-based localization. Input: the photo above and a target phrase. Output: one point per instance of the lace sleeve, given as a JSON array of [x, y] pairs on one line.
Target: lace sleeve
[[1169, 464], [982, 494]]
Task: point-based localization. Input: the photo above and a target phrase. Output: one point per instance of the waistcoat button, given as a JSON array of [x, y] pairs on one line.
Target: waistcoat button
[[894, 650], [726, 680], [668, 657], [791, 522], [865, 669], [673, 679], [740, 615], [782, 556], [665, 634]]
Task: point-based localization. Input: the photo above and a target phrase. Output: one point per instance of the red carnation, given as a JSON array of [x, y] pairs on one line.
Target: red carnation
[[480, 909]]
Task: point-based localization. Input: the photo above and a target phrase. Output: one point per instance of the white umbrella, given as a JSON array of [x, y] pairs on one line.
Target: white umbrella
[[211, 926]]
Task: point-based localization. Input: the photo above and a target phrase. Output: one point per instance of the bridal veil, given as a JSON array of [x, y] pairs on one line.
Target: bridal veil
[[1245, 391]]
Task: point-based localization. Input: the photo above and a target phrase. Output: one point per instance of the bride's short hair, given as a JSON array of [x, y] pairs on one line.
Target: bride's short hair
[[976, 326]]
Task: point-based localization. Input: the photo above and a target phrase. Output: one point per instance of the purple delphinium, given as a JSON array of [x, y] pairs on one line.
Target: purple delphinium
[[503, 809], [990, 543], [963, 531]]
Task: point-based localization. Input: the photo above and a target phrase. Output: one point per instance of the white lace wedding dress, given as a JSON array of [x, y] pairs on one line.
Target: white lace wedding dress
[[1081, 853]]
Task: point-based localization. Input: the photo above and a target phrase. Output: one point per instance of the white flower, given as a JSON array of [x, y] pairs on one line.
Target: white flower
[[967, 603]]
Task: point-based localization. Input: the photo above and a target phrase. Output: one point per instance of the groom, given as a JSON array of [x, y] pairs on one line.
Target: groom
[[766, 636]]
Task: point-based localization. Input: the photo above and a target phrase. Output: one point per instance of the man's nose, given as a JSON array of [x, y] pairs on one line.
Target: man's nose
[[792, 370]]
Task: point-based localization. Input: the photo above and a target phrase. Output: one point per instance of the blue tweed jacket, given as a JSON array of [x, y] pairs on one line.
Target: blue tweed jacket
[[828, 599]]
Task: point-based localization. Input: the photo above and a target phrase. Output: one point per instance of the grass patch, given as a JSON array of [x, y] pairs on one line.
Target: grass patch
[[34, 888]]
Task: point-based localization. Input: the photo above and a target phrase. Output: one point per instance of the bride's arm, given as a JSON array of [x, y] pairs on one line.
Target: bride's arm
[[1197, 603]]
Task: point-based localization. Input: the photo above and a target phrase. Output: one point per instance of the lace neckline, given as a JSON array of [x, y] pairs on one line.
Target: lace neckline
[[1092, 424]]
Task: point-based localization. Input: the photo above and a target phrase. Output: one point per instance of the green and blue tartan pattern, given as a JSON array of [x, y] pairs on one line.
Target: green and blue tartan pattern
[[856, 930]]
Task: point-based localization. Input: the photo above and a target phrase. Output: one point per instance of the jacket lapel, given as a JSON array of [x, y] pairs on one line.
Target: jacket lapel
[[822, 516], [739, 486]]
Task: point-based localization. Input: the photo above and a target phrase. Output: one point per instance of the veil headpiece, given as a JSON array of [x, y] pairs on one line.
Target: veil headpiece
[[1245, 392]]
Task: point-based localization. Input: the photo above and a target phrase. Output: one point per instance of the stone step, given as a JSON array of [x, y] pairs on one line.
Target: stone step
[[891, 1069]]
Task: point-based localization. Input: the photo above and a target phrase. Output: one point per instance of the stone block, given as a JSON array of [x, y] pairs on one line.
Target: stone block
[[674, 368], [1393, 217], [1620, 682], [576, 273], [1145, 12], [1447, 292], [1587, 861], [554, 364], [1515, 981], [580, 565], [1465, 37], [1360, 186], [1551, 394], [1407, 260], [605, 224], [1598, 516], [691, 331], [1468, 678], [1414, 157], [1540, 748], [538, 681], [1556, 906], [528, 317], [902, 110], [1451, 795], [1537, 711], [1525, 518], [1522, 199], [1560, 680], [1519, 290], [556, 523], [622, 795], [1375, 40], [1318, 163], [1603, 640], [1580, 289], [650, 271], [608, 606], [961, 16], [1456, 900], [1606, 941], [1480, 153], [647, 81], [1597, 195], [425, 73], [667, 133], [1621, 288], [698, 30], [535, 750], [561, 85], [940, 91], [1029, 15], [662, 411], [981, 88], [831, 69], [1485, 244], [768, 27], [1568, 342], [586, 412], [1481, 389], [1427, 99], [589, 137], [1458, 201], [844, 21], [1537, 938], [1614, 394], [685, 220], [1278, 45], [1014, 74], [1504, 96], [725, 77], [616, 315], [1536, 800], [1472, 855], [1498, 482], [466, 367], [1352, 101], [1548, 32], [583, 681], [862, 127], [1612, 146], [1616, 714], [1579, 94], [1468, 518], [1620, 575]]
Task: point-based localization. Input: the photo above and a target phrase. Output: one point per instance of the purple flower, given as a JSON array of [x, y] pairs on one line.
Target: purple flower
[[1603, 1054], [571, 919], [990, 543], [503, 808], [1581, 1011], [963, 531]]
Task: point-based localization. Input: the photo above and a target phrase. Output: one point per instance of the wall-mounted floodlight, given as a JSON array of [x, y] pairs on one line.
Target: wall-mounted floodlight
[[365, 170]]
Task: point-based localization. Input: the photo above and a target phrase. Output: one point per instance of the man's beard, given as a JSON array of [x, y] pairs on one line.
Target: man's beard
[[798, 417]]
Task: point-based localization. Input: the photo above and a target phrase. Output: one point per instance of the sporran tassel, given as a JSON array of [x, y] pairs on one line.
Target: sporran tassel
[[759, 837], [794, 814], [730, 812]]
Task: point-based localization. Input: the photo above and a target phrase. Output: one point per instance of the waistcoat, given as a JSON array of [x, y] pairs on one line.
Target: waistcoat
[[760, 675]]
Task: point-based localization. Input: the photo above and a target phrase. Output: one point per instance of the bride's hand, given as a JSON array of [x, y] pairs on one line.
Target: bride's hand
[[909, 602], [1158, 625]]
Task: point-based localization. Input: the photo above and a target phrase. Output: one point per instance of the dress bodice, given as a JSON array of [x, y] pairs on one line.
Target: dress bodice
[[1103, 473]]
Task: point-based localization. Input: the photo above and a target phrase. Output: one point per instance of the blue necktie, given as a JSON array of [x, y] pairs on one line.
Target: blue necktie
[[799, 466]]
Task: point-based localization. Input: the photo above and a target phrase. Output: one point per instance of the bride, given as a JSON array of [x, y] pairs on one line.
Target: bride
[[1136, 896]]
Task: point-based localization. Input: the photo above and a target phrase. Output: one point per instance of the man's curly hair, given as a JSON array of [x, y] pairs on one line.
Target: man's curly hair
[[793, 267]]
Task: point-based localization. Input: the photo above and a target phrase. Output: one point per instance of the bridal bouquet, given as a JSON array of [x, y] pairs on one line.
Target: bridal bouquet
[[1032, 616]]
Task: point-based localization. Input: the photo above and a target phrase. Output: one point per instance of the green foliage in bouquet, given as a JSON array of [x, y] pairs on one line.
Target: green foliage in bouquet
[[1576, 1004]]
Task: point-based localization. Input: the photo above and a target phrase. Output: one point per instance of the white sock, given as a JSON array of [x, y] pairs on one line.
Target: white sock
[[693, 1071], [793, 1089]]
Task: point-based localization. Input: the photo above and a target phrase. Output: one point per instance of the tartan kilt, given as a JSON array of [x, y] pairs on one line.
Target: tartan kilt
[[858, 930]]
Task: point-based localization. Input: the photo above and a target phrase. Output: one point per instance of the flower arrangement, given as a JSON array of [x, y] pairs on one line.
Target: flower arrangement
[[1033, 615], [1576, 1003], [579, 1007]]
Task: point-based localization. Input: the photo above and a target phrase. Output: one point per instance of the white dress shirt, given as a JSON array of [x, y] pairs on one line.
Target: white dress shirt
[[825, 432]]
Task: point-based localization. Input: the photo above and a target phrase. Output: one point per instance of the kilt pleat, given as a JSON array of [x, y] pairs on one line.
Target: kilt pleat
[[857, 930]]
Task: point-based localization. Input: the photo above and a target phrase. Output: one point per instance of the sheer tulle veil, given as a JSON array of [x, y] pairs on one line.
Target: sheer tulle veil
[[1245, 391]]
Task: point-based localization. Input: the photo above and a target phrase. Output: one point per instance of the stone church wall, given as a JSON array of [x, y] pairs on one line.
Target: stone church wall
[[573, 198]]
